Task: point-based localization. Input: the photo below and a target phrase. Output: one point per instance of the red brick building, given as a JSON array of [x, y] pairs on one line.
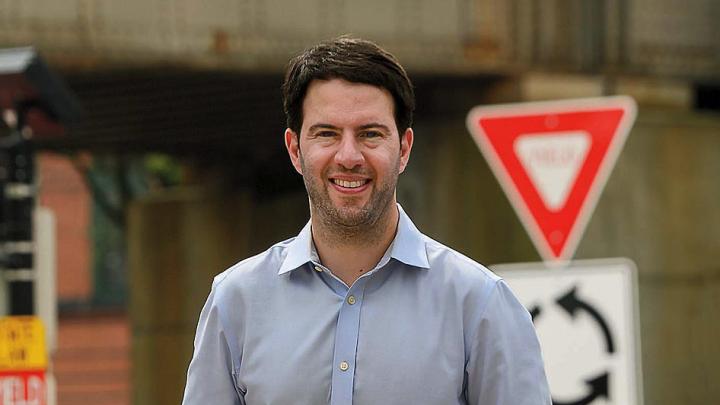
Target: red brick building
[[92, 361]]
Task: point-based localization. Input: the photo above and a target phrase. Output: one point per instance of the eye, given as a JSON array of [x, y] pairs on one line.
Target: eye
[[371, 134], [325, 134]]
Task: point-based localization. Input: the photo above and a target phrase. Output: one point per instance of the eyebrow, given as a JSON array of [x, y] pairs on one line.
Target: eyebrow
[[361, 127], [321, 126], [375, 125]]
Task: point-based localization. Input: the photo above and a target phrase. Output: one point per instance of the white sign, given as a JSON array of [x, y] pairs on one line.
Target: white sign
[[586, 317], [553, 162]]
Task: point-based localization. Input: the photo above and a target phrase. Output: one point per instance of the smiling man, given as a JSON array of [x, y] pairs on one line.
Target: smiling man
[[360, 307]]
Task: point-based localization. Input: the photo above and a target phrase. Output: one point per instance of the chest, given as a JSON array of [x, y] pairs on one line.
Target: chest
[[382, 348]]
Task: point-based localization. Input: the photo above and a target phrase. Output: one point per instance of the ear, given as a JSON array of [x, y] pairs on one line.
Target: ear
[[292, 143], [406, 143]]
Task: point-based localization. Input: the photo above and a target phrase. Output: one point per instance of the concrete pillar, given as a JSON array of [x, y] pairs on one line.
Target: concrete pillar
[[177, 243]]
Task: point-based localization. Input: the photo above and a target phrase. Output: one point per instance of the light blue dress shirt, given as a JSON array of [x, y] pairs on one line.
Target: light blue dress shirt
[[427, 325]]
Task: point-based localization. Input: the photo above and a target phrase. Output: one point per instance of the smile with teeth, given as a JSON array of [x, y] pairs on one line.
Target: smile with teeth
[[350, 184]]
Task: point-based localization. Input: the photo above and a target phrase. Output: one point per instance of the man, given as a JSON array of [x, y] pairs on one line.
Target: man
[[360, 307]]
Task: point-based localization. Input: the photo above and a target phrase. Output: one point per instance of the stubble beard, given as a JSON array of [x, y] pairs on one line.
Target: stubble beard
[[351, 225]]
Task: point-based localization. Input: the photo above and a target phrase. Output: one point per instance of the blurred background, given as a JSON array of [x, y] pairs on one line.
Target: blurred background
[[177, 168]]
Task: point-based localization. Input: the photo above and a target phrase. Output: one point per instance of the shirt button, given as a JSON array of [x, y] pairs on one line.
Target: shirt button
[[351, 300], [344, 365], [318, 269]]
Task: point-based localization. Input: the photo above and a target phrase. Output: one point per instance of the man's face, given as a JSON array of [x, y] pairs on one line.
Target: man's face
[[349, 151]]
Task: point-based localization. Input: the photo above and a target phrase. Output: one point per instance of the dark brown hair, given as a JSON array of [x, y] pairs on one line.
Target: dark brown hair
[[352, 59]]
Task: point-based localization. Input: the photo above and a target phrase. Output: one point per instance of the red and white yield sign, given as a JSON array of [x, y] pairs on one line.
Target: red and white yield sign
[[553, 159]]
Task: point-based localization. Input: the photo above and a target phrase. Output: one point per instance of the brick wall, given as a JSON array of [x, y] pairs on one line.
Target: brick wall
[[92, 363], [63, 191]]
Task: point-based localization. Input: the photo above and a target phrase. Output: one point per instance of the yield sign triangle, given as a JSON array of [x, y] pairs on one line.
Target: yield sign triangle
[[553, 159]]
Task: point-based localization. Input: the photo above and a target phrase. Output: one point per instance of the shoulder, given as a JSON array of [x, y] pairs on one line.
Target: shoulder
[[471, 283], [455, 265], [236, 292], [258, 269], [481, 294]]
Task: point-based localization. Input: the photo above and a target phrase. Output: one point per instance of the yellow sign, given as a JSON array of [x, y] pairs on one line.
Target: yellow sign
[[22, 343]]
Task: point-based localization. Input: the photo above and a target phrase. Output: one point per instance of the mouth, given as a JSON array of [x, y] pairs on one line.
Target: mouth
[[351, 184]]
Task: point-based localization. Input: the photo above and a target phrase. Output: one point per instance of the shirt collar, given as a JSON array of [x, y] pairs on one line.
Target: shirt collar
[[299, 251], [409, 244], [407, 247]]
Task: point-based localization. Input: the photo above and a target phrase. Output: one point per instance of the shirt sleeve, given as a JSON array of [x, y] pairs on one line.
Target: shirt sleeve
[[505, 365], [210, 375]]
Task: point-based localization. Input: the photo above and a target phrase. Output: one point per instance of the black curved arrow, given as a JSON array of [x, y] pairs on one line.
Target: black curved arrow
[[598, 388], [572, 304], [535, 312]]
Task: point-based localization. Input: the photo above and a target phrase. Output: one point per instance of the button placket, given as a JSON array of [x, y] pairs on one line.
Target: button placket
[[346, 339]]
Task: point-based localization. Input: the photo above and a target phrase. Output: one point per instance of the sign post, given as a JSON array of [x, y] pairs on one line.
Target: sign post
[[553, 159]]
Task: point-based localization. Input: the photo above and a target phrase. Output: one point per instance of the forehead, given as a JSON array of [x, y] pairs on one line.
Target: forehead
[[341, 102]]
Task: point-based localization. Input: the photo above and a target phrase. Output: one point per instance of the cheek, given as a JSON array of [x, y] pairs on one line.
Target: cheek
[[392, 159], [311, 164]]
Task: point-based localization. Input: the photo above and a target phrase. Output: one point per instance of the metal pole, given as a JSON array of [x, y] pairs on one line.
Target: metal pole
[[17, 201]]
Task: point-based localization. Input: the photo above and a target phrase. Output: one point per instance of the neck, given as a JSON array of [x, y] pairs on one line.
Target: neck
[[349, 252]]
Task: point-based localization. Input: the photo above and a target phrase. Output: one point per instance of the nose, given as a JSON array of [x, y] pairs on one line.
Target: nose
[[349, 154]]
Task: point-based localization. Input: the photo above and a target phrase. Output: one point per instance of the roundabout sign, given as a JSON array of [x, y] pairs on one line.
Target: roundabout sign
[[586, 317]]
